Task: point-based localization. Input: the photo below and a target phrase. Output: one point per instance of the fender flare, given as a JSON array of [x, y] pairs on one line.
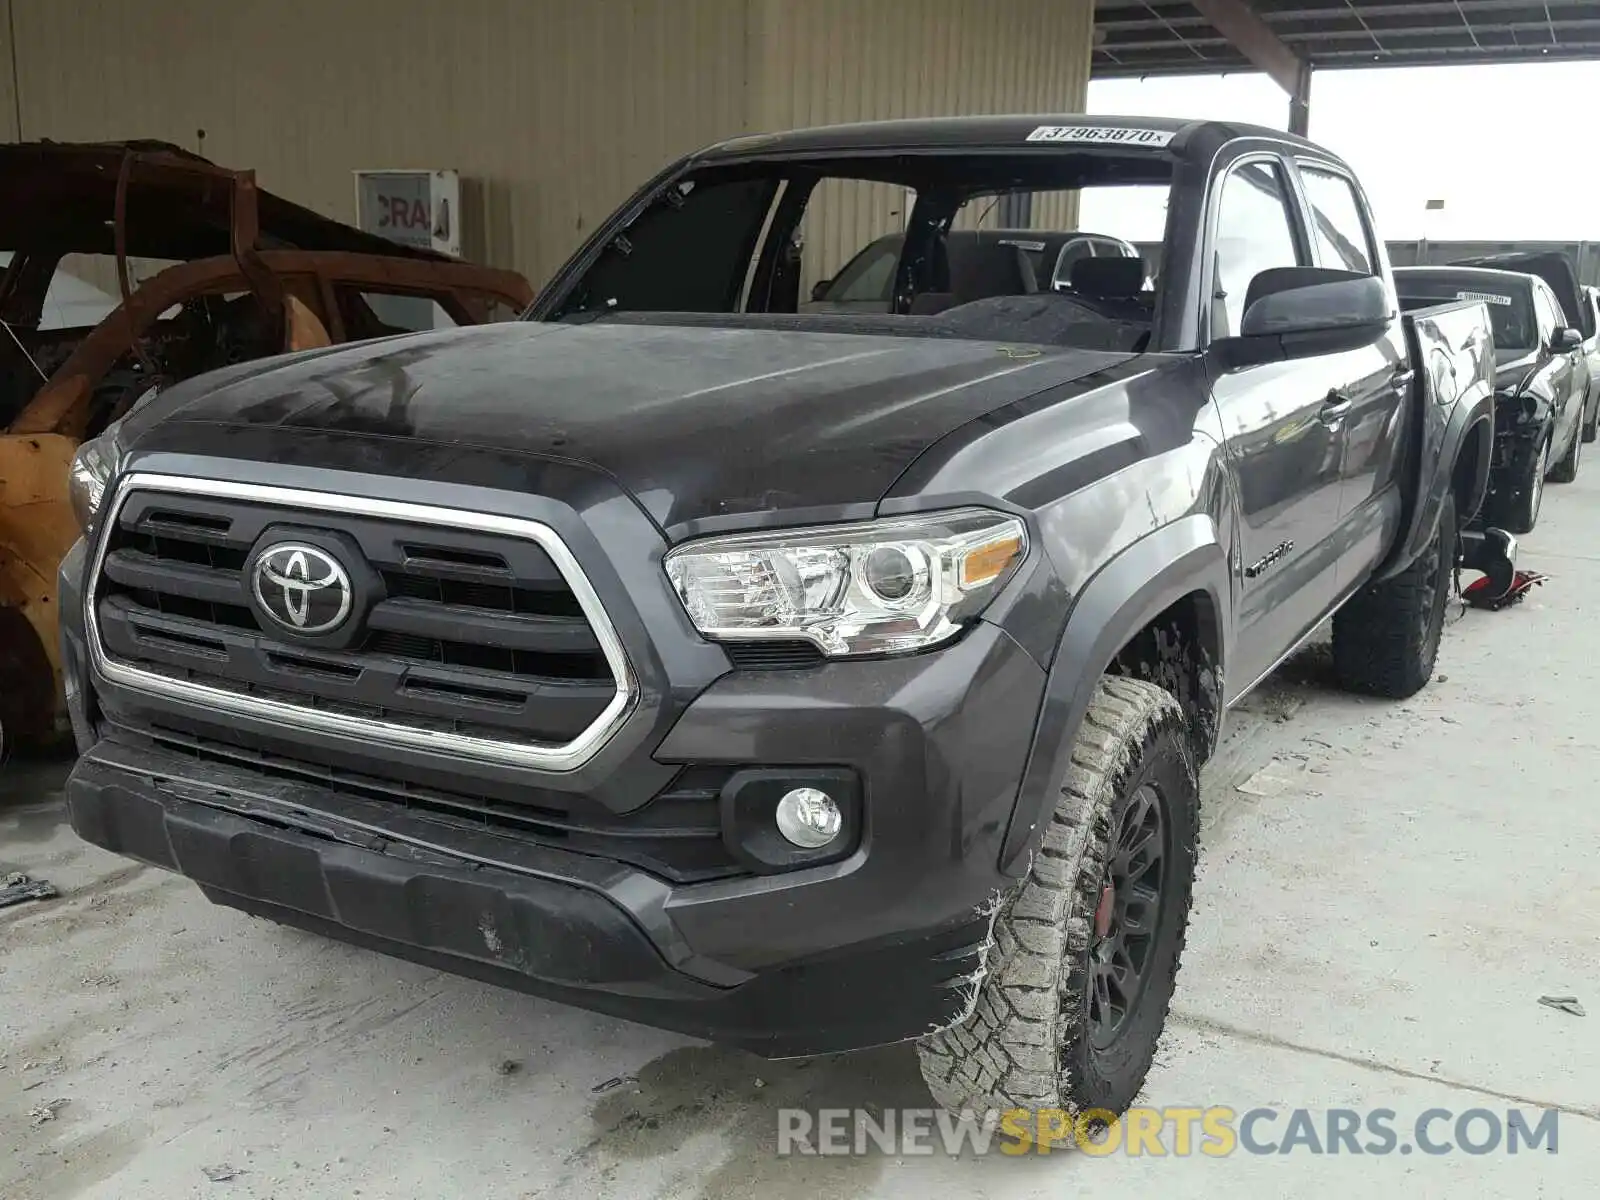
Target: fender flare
[[1124, 596], [1466, 437]]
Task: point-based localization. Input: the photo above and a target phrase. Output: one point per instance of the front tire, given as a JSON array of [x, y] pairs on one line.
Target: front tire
[[1085, 952], [1591, 420], [1566, 470], [1386, 636], [1517, 510]]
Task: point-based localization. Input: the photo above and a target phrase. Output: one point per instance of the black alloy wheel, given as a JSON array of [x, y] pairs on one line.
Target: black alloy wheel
[[1128, 917]]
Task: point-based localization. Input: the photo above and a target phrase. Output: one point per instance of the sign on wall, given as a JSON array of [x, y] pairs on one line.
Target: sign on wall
[[416, 208]]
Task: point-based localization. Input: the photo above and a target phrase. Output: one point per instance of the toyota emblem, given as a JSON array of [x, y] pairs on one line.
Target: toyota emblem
[[302, 588]]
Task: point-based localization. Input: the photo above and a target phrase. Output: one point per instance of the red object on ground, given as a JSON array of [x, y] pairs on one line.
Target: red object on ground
[[1478, 595]]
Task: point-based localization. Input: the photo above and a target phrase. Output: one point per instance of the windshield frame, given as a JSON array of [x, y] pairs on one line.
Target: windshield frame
[[933, 175]]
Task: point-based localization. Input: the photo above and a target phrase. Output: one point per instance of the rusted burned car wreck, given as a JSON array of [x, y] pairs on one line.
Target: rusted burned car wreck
[[239, 274]]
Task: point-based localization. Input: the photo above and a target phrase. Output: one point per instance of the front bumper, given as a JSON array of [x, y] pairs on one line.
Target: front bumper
[[548, 936], [877, 947]]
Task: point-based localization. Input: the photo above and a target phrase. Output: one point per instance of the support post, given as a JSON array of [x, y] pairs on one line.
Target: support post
[[1300, 103], [1243, 26]]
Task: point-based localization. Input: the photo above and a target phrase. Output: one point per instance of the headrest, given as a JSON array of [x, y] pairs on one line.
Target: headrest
[[1108, 278], [979, 270]]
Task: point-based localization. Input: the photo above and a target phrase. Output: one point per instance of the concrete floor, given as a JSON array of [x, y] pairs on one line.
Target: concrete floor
[[1378, 912]]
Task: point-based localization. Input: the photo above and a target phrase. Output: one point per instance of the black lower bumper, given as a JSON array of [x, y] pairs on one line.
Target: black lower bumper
[[547, 936]]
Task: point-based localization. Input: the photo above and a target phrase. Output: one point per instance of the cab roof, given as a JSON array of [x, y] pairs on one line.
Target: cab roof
[[1189, 138]]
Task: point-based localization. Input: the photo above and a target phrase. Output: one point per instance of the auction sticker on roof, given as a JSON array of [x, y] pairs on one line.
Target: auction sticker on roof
[[1102, 135], [1486, 297]]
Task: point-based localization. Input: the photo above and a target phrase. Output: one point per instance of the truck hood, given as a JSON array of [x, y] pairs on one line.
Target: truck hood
[[695, 422]]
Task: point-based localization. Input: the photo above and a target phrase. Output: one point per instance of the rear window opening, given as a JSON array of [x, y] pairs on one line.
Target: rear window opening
[[1516, 329], [983, 246]]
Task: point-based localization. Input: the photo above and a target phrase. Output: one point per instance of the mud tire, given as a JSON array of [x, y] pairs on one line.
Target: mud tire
[[1386, 636], [1566, 470], [1029, 1042]]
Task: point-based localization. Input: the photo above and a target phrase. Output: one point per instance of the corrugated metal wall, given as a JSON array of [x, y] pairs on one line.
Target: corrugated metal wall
[[818, 62], [556, 109], [8, 90]]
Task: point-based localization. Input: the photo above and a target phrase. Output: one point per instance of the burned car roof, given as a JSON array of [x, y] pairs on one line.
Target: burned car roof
[[62, 196], [1176, 137]]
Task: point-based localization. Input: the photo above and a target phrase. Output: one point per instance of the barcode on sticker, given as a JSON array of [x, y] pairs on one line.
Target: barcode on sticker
[[1486, 297], [1106, 135]]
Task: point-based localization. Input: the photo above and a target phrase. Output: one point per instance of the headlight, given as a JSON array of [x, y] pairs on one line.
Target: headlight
[[872, 588], [92, 468]]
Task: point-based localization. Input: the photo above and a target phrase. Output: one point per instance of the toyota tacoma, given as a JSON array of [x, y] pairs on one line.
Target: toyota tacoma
[[801, 681]]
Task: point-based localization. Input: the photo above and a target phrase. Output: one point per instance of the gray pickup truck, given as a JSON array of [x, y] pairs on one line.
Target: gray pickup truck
[[800, 681]]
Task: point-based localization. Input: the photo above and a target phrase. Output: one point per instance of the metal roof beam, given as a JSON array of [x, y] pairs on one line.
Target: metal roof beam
[[1145, 16], [1242, 26], [1314, 43], [1136, 66]]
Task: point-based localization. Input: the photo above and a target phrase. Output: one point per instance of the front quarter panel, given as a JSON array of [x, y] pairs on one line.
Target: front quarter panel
[[1094, 471], [1129, 498]]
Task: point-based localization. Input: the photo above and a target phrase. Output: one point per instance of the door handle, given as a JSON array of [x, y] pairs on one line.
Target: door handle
[[1334, 408]]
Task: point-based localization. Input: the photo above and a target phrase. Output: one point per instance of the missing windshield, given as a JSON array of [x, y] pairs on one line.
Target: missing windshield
[[1061, 249]]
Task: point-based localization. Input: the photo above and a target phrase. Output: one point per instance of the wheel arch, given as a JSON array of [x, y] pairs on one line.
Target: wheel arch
[[1160, 610], [1469, 476], [1454, 459]]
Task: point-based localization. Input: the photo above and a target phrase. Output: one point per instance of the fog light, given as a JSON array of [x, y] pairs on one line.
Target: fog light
[[809, 818]]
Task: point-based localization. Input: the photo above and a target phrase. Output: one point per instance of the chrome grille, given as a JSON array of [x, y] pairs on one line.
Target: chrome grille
[[484, 640]]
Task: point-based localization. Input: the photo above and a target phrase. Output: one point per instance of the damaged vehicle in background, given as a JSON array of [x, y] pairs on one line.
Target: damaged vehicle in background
[[231, 274], [1541, 381], [1591, 420], [1573, 309], [801, 681]]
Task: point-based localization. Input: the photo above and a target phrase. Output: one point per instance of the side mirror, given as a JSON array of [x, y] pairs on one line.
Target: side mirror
[[1343, 313], [819, 290], [1565, 341]]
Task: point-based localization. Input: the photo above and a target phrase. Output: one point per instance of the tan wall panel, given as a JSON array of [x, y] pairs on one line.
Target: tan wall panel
[[819, 62], [555, 109], [558, 110], [8, 83]]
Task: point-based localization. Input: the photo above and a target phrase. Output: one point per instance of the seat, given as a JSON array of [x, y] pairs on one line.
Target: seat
[[305, 329], [927, 304], [983, 269], [1107, 278], [1112, 287]]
